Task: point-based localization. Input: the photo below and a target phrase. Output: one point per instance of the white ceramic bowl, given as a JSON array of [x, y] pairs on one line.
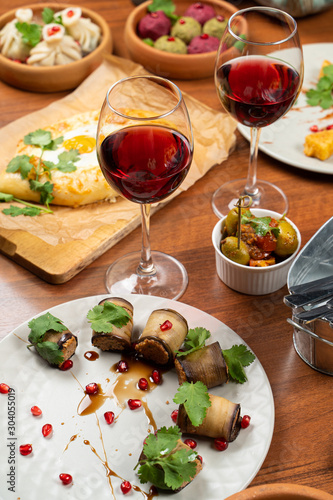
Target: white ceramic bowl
[[252, 280]]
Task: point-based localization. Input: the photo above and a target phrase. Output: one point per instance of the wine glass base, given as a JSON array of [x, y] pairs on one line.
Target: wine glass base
[[169, 280], [268, 196]]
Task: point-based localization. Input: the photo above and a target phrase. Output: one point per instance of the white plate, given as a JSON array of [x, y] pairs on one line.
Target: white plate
[[59, 393], [284, 140]]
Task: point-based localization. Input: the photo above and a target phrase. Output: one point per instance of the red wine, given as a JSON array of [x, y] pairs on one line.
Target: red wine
[[145, 163], [257, 90]]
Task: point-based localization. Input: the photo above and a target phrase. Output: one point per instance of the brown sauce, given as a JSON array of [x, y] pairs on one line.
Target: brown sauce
[[91, 355]]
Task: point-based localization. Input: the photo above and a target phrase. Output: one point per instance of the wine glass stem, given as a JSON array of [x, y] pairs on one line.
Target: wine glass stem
[[251, 182], [146, 266]]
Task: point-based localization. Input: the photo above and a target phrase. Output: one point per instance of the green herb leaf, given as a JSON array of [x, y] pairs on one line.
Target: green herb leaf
[[48, 15], [195, 398], [39, 326], [148, 41], [22, 164], [51, 352], [39, 138], [14, 211], [103, 317], [162, 466], [6, 197], [322, 95], [195, 340], [67, 160], [45, 189], [261, 225], [167, 6], [236, 358], [31, 33]]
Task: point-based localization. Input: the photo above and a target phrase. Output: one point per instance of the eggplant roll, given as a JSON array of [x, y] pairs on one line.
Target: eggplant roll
[[66, 341], [222, 420], [163, 334], [206, 364], [120, 338]]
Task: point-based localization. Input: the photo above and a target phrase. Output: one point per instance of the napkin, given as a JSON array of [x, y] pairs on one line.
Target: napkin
[[214, 136]]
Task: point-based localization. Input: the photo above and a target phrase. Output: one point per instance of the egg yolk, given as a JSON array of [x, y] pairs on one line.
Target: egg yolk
[[83, 143]]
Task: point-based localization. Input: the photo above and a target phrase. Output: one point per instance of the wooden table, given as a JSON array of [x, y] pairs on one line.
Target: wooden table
[[301, 450]]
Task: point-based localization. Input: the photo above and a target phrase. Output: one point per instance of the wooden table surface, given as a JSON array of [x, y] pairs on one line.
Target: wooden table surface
[[301, 451]]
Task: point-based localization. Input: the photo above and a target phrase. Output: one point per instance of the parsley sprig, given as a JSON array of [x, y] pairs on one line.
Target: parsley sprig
[[163, 464], [167, 6], [38, 328], [29, 209], [195, 398], [105, 316], [261, 225], [31, 33], [322, 95], [195, 340]]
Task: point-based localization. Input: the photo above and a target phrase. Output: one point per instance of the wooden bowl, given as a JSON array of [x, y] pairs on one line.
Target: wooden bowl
[[281, 491], [181, 66], [54, 78]]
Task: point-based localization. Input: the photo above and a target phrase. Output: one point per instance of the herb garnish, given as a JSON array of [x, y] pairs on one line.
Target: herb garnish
[[167, 6], [29, 209], [195, 398], [104, 316], [39, 327], [31, 33], [261, 225], [161, 465], [236, 358], [195, 340], [322, 95]]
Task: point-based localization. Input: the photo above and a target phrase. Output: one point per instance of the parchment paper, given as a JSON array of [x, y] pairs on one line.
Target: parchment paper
[[214, 135]]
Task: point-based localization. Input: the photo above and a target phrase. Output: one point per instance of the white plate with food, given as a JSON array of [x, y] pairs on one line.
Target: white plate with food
[[284, 140], [99, 456]]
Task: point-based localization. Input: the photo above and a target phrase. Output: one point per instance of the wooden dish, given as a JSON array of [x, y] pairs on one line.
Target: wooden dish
[[54, 78], [281, 491], [181, 66]]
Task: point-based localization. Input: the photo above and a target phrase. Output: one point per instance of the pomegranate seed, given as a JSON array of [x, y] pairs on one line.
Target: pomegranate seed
[[198, 5], [65, 478], [245, 421], [134, 404], [70, 13], [167, 325], [220, 18], [109, 417], [191, 443], [4, 388], [66, 365], [47, 430], [36, 411], [156, 376], [204, 36], [314, 128], [153, 491], [125, 487], [92, 388], [329, 127], [182, 21], [143, 384], [199, 457], [170, 39], [25, 449], [220, 444], [122, 366], [174, 415]]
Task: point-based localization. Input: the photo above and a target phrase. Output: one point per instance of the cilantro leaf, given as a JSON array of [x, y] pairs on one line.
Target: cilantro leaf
[[39, 138], [261, 225], [195, 340], [39, 326], [166, 464], [31, 33], [167, 6], [20, 163], [103, 317], [45, 189], [322, 95], [6, 197], [14, 211], [195, 398], [236, 358], [48, 15], [67, 160], [51, 352]]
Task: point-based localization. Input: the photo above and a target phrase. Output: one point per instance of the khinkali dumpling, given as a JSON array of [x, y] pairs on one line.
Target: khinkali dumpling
[[56, 48], [11, 43], [81, 28]]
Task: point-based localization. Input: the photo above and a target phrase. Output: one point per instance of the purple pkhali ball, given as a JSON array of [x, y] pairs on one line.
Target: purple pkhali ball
[[153, 25], [201, 12], [203, 43]]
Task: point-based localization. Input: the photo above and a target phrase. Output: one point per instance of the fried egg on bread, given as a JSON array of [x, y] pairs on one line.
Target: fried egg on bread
[[86, 184]]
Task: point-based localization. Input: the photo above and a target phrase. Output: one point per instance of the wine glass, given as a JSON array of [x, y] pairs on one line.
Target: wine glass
[[145, 149], [258, 76]]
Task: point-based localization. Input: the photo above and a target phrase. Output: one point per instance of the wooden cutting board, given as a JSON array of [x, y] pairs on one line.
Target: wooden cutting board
[[57, 264]]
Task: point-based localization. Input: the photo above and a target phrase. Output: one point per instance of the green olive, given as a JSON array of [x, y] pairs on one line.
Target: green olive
[[231, 221], [287, 239], [229, 248]]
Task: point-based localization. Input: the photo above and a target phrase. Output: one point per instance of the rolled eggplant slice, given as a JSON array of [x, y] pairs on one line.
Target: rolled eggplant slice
[[222, 420], [163, 334], [66, 341], [206, 364], [120, 338]]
